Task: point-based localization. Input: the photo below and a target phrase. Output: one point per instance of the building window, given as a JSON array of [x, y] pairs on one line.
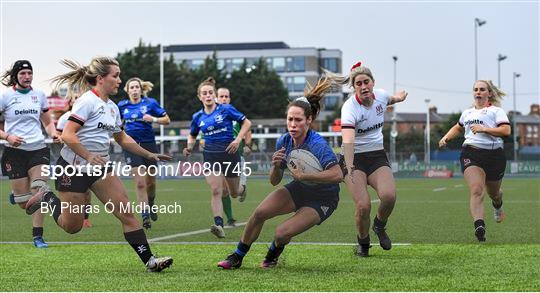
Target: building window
[[220, 64], [237, 63], [296, 64], [330, 64], [195, 64], [278, 63], [331, 102], [296, 84]]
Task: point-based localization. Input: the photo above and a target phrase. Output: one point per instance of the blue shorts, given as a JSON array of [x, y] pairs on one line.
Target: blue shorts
[[325, 203], [136, 160], [221, 160]]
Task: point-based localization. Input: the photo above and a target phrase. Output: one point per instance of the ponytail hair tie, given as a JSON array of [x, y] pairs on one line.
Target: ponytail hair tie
[[356, 65], [302, 99]]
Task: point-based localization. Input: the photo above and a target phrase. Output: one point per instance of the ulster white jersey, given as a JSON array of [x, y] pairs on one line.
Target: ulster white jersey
[[61, 123], [367, 122], [22, 114], [490, 117], [99, 121]]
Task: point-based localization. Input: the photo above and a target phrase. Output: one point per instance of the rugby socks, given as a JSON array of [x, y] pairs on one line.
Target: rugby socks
[[497, 206], [227, 207], [479, 223], [37, 232], [151, 191], [242, 249], [137, 240], [274, 251], [364, 242], [378, 223], [218, 221], [54, 205], [86, 209]]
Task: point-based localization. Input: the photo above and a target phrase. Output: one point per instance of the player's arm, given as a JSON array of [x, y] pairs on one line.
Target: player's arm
[[348, 135], [276, 173], [451, 134], [128, 143], [45, 118], [248, 143], [499, 131], [398, 97], [165, 120], [191, 140], [330, 175], [233, 146]]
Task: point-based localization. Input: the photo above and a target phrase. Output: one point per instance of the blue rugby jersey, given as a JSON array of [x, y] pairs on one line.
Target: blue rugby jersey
[[217, 127], [315, 144], [132, 115]]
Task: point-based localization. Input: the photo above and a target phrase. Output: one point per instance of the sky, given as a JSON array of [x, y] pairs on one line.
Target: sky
[[434, 41]]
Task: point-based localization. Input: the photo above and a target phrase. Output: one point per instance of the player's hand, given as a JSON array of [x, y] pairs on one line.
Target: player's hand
[[443, 142], [159, 157], [187, 152], [247, 150], [278, 157], [477, 128], [233, 147], [147, 118], [298, 172], [96, 159], [14, 140], [57, 139], [402, 95]]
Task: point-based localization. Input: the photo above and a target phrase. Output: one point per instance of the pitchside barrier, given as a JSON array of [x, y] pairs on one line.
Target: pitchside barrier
[[259, 161]]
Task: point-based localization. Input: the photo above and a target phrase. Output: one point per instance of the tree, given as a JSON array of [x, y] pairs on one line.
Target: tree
[[257, 91]]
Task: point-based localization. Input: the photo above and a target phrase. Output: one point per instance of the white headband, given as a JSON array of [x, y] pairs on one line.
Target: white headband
[[303, 99]]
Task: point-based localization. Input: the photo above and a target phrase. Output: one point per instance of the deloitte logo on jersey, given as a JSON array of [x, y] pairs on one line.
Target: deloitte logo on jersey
[[474, 121], [24, 112], [379, 125], [105, 126]]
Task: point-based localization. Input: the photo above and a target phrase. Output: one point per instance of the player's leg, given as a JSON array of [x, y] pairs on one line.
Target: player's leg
[[112, 193], [151, 192], [216, 188], [227, 204], [383, 182], [358, 189], [139, 177], [495, 192], [301, 221], [475, 178], [279, 202]]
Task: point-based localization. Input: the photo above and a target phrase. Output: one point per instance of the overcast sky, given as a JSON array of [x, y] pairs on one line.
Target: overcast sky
[[434, 41]]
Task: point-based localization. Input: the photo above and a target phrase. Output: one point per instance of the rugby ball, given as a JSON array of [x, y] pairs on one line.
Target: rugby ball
[[305, 160]]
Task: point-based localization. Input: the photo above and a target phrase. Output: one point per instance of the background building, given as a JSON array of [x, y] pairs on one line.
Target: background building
[[295, 66]]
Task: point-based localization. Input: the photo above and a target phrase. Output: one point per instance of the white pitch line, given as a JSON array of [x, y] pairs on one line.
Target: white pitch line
[[439, 189], [191, 233], [194, 243]]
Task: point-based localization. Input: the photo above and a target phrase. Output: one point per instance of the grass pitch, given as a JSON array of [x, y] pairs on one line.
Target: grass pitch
[[431, 215]]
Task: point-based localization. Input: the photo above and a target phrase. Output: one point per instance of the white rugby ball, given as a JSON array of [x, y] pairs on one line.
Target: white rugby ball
[[305, 160]]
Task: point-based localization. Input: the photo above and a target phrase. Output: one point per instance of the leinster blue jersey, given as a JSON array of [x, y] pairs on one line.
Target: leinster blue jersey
[[315, 144], [132, 115], [217, 127]]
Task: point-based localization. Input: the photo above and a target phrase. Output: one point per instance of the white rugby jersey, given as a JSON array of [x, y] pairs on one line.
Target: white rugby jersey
[[99, 121], [367, 122], [490, 117], [22, 114], [61, 123]]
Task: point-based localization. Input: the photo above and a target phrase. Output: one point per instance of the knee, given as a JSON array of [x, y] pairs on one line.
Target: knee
[[141, 184], [388, 197], [363, 210], [476, 190], [216, 192], [282, 235], [73, 228], [260, 215], [150, 184]]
